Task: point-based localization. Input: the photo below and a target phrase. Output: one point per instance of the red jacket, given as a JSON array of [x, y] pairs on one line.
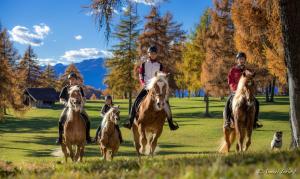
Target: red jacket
[[234, 76]]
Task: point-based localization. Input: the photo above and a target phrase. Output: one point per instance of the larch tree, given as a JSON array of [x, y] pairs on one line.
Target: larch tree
[[120, 78], [290, 18], [167, 36], [258, 33], [220, 51], [63, 80], [49, 79], [193, 54], [28, 70], [10, 93]]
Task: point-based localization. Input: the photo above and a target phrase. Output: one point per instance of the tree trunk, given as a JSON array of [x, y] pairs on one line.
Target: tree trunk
[[267, 94], [290, 17], [4, 111], [272, 90], [206, 99], [130, 102]]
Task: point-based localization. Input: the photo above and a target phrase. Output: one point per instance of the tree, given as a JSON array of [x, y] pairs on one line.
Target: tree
[[49, 79], [220, 51], [28, 70], [63, 80], [103, 10], [167, 36], [258, 33], [121, 67], [290, 17], [193, 54], [8, 49], [10, 93]]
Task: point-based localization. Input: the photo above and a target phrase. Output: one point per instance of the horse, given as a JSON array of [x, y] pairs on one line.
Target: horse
[[109, 134], [151, 115], [243, 110], [74, 128]]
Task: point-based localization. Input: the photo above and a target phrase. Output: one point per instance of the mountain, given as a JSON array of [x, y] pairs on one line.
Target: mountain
[[92, 70]]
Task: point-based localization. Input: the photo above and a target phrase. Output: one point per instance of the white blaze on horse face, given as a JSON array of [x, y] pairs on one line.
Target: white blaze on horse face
[[160, 85]]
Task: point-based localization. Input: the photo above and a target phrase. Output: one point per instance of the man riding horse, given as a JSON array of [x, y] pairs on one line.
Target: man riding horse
[[146, 72], [64, 97], [234, 76]]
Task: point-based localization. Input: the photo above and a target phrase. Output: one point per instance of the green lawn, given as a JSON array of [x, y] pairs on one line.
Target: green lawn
[[28, 142]]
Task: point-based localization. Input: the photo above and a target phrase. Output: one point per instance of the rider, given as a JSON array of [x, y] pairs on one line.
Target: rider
[[64, 97], [146, 72], [108, 104], [233, 80]]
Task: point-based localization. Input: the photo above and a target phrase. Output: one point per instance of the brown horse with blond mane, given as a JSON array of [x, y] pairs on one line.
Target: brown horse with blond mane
[[243, 110], [74, 128], [151, 115], [109, 135]]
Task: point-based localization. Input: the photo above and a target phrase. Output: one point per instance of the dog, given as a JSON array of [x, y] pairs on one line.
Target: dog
[[276, 143]]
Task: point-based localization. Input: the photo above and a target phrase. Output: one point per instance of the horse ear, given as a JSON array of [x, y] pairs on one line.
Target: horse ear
[[118, 106]]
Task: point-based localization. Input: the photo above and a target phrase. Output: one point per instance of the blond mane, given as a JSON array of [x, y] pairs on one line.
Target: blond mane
[[160, 76]]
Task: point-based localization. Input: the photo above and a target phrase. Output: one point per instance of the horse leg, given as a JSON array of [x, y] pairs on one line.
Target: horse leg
[[71, 151], [104, 153], [65, 151], [143, 139], [136, 138], [249, 130], [227, 134], [77, 153], [81, 152]]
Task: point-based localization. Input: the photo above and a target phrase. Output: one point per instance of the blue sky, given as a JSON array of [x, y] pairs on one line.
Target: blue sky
[[61, 31]]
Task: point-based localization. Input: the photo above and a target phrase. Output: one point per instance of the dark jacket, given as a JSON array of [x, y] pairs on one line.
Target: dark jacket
[[105, 109]]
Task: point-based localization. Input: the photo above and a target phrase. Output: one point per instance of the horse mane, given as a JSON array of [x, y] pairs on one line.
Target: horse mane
[[160, 76], [107, 116], [74, 88]]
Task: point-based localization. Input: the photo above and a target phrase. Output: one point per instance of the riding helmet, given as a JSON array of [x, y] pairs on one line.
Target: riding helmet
[[152, 49], [241, 55], [72, 75]]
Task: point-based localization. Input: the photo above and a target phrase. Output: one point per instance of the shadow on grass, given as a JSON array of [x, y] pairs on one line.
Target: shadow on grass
[[274, 116]]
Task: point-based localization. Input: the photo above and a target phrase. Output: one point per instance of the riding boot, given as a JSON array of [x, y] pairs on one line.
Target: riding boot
[[60, 133], [128, 125], [120, 135]]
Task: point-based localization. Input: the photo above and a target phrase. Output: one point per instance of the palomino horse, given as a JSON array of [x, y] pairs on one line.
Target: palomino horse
[[151, 115], [243, 110], [74, 128], [109, 134]]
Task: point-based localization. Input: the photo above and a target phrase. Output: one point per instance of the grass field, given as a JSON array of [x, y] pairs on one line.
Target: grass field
[[27, 145]]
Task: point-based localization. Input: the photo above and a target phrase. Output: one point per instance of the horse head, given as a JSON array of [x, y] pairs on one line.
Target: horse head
[[247, 86], [75, 98], [159, 90], [115, 114]]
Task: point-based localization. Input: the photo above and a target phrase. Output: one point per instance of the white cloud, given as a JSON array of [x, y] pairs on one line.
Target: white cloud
[[93, 12], [148, 2], [51, 61], [84, 53], [23, 35], [78, 37]]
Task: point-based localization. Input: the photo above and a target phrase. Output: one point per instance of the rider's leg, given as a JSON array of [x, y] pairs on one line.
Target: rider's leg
[[228, 111], [88, 126], [97, 133], [61, 122], [256, 124], [172, 125], [134, 107]]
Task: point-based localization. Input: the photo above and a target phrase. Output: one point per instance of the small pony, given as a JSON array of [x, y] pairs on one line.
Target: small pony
[[243, 110], [74, 128], [109, 134], [151, 115]]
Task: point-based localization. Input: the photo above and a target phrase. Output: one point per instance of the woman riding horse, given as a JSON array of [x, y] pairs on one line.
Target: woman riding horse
[[233, 80], [64, 97], [147, 71]]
